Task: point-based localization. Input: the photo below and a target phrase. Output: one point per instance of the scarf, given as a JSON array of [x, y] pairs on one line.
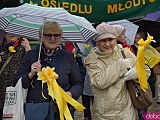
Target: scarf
[[14, 44], [126, 45], [50, 52]]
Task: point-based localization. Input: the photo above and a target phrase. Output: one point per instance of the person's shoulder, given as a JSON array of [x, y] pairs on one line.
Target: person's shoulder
[[67, 56], [66, 53], [33, 51], [126, 50]]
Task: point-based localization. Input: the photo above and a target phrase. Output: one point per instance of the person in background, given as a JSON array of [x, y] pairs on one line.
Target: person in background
[[70, 47], [156, 69], [74, 49], [108, 74], [87, 96], [51, 55], [151, 80], [76, 52], [20, 47], [140, 34], [122, 38]]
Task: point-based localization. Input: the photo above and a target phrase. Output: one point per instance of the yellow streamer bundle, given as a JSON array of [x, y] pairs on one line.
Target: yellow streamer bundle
[[47, 75], [140, 62]]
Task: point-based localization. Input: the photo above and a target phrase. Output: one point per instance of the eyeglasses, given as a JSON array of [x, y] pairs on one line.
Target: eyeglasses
[[55, 36]]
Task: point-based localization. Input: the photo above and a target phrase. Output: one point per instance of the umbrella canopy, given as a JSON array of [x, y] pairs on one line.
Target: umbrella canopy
[[25, 20], [151, 27], [153, 16], [131, 29]]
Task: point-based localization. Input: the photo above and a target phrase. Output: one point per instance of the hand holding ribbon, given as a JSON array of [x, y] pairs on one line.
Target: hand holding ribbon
[[47, 75]]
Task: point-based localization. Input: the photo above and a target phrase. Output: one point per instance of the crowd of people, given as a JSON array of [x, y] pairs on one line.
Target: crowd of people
[[98, 74]]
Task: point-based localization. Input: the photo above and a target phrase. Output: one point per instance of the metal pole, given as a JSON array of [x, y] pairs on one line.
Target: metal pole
[[40, 47]]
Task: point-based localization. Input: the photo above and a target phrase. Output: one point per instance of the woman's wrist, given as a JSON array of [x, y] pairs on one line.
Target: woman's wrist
[[27, 48], [31, 75]]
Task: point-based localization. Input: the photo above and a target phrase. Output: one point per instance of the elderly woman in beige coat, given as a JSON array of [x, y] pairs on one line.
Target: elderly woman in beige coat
[[108, 73]]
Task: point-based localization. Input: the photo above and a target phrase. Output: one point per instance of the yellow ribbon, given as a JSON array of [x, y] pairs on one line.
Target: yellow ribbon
[[57, 93], [140, 62]]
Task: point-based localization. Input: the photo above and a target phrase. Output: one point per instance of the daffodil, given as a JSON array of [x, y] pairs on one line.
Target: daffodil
[[75, 55], [11, 49], [47, 74], [50, 74], [87, 46], [41, 76]]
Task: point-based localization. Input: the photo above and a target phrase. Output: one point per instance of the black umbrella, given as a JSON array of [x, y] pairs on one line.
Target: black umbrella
[[152, 27]]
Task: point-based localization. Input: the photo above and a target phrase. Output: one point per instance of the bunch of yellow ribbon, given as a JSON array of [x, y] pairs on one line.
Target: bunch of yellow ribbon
[[47, 75], [140, 62]]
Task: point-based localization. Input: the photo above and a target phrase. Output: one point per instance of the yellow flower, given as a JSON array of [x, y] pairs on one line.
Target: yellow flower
[[11, 49], [41, 76], [50, 74], [47, 74], [87, 46], [75, 55]]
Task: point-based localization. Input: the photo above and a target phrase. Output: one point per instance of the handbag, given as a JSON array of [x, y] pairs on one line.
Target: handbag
[[39, 111], [14, 102], [141, 99], [156, 69], [14, 99]]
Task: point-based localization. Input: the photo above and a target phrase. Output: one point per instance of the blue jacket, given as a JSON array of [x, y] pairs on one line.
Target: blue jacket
[[65, 66]]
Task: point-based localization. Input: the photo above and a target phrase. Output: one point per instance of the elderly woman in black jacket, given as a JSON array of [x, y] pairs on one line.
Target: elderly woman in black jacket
[[53, 56]]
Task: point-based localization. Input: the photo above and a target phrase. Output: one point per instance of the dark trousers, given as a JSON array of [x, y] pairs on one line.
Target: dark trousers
[[1, 114], [140, 113], [86, 103]]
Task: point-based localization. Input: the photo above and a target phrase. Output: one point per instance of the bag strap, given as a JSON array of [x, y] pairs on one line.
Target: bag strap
[[137, 92], [122, 51], [5, 64]]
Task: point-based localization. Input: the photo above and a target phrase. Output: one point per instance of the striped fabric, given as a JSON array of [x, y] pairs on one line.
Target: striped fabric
[[26, 19]]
